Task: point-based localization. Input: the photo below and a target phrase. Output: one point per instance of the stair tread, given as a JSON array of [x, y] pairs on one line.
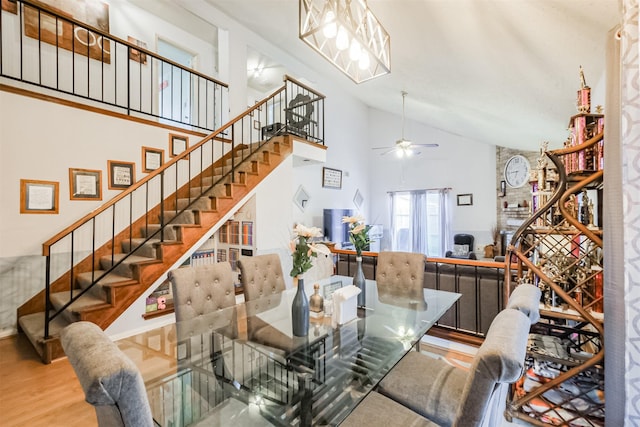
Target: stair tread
[[131, 260], [33, 326], [106, 280], [86, 300]]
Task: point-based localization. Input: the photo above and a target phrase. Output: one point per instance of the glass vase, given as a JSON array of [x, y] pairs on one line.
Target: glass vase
[[300, 311], [359, 282]]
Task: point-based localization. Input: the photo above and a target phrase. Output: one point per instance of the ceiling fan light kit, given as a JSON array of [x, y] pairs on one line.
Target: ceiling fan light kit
[[404, 147], [348, 35]]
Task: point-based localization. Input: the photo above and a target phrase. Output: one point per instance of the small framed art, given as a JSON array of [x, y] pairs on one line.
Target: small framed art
[[465, 199], [331, 178], [85, 184], [38, 197], [178, 144], [135, 54], [121, 174], [152, 158]]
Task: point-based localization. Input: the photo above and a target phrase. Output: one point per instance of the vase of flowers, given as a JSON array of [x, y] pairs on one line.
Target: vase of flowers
[[359, 237], [303, 252]]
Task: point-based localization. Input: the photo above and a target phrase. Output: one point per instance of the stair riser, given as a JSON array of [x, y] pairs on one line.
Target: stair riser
[[146, 250], [169, 232], [124, 269], [203, 203]]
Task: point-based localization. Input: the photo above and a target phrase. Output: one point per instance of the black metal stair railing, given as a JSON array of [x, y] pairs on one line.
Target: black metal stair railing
[[145, 212], [41, 47]]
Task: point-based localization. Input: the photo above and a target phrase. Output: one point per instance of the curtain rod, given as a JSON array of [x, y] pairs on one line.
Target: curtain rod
[[424, 189]]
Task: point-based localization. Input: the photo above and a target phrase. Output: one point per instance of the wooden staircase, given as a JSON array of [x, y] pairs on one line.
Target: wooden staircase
[[209, 196]]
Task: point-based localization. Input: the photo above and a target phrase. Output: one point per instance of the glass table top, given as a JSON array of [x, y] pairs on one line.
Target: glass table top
[[243, 366]]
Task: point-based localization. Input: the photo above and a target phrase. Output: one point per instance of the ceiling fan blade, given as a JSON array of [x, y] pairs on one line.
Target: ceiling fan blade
[[381, 148], [425, 145], [389, 150]]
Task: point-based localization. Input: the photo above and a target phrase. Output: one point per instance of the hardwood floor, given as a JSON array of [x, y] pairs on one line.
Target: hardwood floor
[[33, 394]]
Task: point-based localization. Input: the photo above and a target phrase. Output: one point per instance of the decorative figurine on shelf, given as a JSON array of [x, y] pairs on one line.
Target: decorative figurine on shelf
[[584, 95], [162, 303], [571, 206], [542, 167], [584, 208], [316, 303], [590, 215]]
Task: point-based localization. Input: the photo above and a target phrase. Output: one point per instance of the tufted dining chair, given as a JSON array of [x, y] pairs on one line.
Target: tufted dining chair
[[202, 289], [261, 275], [425, 391], [400, 278], [111, 382], [204, 302]]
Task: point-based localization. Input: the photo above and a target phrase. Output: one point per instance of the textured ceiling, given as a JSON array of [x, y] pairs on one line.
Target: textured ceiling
[[503, 72]]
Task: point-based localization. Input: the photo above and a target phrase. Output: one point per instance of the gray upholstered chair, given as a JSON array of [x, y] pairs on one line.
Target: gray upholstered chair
[[444, 395], [111, 381], [400, 278], [526, 298], [261, 275]]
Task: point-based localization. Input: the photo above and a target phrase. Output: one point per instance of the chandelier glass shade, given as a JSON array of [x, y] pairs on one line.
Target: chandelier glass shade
[[348, 35]]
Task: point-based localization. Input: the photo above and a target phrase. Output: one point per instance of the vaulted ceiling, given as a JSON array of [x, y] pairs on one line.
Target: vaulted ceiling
[[502, 72]]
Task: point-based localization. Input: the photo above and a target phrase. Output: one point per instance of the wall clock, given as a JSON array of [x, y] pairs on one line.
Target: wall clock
[[516, 171]]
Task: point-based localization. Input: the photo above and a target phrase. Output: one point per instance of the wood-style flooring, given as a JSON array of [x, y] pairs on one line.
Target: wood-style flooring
[[33, 394]]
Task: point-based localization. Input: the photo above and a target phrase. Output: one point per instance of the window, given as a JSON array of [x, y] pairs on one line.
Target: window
[[420, 221]]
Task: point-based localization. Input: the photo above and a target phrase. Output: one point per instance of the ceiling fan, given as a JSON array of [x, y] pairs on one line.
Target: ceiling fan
[[403, 147]]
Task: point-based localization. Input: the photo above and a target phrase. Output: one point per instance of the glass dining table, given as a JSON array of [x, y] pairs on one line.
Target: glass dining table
[[243, 366]]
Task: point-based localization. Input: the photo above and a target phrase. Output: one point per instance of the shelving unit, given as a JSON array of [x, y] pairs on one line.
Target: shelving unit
[[559, 248]]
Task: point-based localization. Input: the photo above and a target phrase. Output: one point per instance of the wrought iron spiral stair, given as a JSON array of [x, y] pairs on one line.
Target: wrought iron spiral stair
[[553, 249]]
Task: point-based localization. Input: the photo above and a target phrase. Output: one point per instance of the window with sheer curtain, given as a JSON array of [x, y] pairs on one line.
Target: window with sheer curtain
[[420, 221]]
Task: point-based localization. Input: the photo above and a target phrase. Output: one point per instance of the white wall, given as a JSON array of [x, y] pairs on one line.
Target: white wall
[[61, 141], [462, 165]]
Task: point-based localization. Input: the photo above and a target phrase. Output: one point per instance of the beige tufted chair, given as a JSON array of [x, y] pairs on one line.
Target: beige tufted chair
[[400, 278], [261, 276], [201, 290], [204, 300]]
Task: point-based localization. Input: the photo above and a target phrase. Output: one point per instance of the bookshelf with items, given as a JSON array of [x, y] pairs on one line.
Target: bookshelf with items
[[235, 239], [559, 249]]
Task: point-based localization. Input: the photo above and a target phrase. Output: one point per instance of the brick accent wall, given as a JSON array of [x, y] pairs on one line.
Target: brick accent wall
[[508, 220]]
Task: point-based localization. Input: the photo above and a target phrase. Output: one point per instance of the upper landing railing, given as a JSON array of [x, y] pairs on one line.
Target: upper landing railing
[[43, 47]]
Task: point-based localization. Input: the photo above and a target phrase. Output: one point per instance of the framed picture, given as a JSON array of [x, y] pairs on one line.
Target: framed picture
[[85, 184], [135, 54], [152, 158], [121, 174], [465, 199], [38, 197], [331, 178], [178, 144]]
